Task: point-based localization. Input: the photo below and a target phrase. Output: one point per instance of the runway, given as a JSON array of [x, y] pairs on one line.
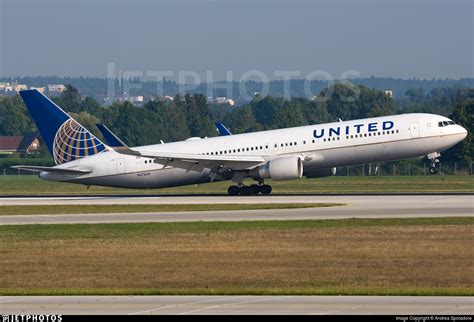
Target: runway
[[272, 305], [358, 206]]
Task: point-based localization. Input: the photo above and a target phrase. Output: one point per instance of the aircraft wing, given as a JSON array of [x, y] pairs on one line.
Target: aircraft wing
[[51, 169], [198, 162]]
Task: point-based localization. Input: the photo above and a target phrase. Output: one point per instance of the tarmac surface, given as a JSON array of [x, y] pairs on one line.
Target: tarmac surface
[[357, 206], [194, 305]]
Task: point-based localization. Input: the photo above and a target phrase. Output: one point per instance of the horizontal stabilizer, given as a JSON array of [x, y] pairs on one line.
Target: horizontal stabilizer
[[50, 169]]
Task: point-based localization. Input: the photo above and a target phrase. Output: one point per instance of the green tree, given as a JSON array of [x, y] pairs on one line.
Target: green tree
[[14, 117], [356, 102], [463, 114], [69, 100], [242, 120], [415, 95]]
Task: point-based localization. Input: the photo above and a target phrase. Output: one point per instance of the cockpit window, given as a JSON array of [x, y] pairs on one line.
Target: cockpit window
[[445, 123]]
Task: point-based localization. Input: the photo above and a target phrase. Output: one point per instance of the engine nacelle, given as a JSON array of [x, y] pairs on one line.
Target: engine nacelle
[[319, 173], [284, 168]]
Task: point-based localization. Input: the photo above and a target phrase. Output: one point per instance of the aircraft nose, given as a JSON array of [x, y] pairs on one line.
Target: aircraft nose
[[463, 132]]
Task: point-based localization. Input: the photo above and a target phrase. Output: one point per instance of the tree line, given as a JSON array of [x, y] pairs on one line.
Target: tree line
[[191, 115]]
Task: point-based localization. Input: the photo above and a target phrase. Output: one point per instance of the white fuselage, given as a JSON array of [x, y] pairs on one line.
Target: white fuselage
[[321, 146]]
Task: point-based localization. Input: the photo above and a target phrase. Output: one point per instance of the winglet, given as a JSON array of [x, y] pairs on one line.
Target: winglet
[[111, 139], [223, 130]]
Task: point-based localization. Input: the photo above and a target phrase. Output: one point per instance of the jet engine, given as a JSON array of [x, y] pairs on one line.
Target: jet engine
[[284, 168], [319, 173]]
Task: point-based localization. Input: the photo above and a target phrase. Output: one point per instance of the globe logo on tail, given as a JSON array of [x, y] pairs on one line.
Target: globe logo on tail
[[72, 141]]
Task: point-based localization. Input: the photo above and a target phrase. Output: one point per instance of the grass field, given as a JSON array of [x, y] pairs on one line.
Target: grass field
[[352, 256], [21, 185], [89, 209]]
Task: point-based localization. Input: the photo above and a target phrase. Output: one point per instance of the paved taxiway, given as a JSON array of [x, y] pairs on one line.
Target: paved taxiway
[[182, 305], [360, 206]]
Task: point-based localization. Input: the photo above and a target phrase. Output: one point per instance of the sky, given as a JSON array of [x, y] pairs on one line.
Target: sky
[[388, 38]]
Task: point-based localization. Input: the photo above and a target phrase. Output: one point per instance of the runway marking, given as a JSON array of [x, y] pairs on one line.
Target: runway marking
[[230, 304], [176, 305], [199, 310]]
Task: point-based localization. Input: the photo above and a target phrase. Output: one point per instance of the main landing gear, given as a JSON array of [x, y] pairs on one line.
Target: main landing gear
[[434, 167], [253, 189]]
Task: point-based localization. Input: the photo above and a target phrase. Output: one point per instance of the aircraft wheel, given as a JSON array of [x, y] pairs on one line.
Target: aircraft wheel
[[244, 191], [433, 170], [265, 189], [233, 191], [254, 189]]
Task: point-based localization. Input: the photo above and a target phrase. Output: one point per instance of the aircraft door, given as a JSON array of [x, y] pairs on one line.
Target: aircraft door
[[415, 130], [120, 165]]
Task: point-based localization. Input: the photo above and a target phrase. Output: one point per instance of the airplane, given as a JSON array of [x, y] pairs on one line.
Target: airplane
[[311, 151]]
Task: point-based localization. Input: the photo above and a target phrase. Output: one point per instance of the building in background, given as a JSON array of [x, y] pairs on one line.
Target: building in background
[[56, 88], [28, 143]]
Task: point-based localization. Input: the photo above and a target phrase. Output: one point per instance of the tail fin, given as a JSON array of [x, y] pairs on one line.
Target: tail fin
[[66, 139]]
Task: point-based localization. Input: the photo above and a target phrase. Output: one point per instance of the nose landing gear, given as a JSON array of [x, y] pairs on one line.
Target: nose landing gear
[[435, 164]]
